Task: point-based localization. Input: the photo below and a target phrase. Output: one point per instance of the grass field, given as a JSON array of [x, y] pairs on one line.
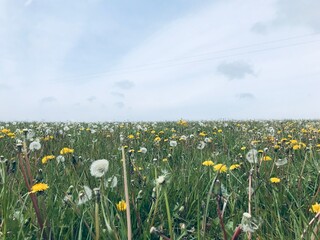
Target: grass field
[[186, 180]]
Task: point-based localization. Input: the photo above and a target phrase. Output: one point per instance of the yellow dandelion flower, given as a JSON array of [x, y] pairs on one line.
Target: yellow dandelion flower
[[202, 134], [121, 205], [220, 131], [157, 139], [131, 136], [296, 147], [243, 148], [293, 142], [315, 208], [275, 180], [66, 150], [208, 163], [10, 134], [165, 160], [39, 187], [220, 168], [183, 123], [276, 147], [234, 166], [266, 158], [45, 159], [5, 131]]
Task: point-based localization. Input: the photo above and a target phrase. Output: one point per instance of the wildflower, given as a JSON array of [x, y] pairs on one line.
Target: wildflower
[[201, 145], [47, 158], [208, 163], [281, 162], [275, 180], [243, 148], [131, 136], [248, 224], [184, 138], [183, 123], [121, 205], [66, 150], [60, 159], [296, 147], [165, 160], [251, 156], [39, 187], [220, 168], [207, 140], [99, 167], [85, 195], [157, 139], [276, 147], [160, 180], [112, 182], [266, 158], [143, 150], [234, 166], [35, 145], [173, 143], [202, 134], [315, 208]]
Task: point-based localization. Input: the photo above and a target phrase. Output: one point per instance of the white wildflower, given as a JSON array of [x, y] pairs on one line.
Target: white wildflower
[[143, 150], [252, 156], [60, 159], [173, 143], [85, 195], [35, 145], [201, 145], [160, 180], [99, 167], [281, 162], [111, 182]]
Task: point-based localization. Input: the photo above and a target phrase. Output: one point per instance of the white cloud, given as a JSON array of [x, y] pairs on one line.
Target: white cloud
[[172, 74]]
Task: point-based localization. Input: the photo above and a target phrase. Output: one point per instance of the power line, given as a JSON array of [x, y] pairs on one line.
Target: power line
[[175, 63]]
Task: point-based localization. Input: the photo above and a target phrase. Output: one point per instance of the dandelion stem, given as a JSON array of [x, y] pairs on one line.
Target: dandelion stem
[[126, 192], [221, 218], [32, 195], [96, 217], [168, 214], [204, 221], [249, 197], [310, 223]]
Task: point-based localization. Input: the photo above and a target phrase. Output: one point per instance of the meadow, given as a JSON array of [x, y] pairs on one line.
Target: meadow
[[184, 180]]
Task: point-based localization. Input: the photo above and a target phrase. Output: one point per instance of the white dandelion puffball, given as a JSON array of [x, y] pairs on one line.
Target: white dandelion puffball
[[143, 150], [99, 167], [173, 143], [35, 145], [281, 162], [60, 159], [160, 180], [85, 195], [252, 156], [201, 145]]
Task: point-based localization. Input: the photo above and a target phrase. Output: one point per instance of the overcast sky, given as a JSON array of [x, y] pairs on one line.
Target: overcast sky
[[116, 60]]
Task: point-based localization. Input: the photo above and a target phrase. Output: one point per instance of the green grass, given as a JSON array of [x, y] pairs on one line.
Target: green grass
[[189, 196]]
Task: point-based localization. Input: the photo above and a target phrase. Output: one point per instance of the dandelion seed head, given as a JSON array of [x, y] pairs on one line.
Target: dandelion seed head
[[99, 168]]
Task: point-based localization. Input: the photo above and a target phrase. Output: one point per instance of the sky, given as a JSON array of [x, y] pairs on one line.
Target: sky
[[142, 60]]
